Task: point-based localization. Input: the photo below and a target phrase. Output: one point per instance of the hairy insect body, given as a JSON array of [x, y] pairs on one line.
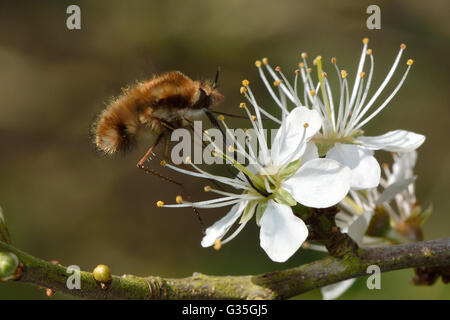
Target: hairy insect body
[[159, 105]]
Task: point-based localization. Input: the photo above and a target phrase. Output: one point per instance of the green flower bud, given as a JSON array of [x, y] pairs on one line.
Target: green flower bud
[[8, 265], [102, 273]]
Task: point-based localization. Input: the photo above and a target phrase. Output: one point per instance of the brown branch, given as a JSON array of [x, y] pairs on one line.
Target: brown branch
[[274, 285]]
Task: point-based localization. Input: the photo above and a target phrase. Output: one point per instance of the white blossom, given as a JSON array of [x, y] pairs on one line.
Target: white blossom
[[278, 178], [345, 112], [397, 199]]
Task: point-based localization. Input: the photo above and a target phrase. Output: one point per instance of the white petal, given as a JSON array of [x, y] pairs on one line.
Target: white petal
[[319, 183], [310, 153], [358, 228], [282, 233], [394, 141], [403, 166], [393, 189], [220, 227], [334, 291], [289, 137], [365, 168]]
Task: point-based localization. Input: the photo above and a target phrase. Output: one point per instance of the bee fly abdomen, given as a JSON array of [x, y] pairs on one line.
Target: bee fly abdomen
[[157, 104]]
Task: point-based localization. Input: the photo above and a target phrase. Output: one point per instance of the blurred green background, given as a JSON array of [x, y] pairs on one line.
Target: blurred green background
[[63, 200]]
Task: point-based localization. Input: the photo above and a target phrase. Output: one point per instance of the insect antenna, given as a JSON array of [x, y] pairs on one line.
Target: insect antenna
[[216, 80]]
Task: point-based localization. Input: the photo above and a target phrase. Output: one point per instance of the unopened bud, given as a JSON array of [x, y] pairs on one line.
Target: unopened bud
[[9, 263], [102, 273]]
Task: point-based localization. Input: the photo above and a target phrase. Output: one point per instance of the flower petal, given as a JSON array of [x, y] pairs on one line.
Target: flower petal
[[394, 141], [282, 233], [334, 291], [319, 183], [310, 153], [393, 189], [358, 228], [365, 168], [403, 166], [289, 137], [220, 227]]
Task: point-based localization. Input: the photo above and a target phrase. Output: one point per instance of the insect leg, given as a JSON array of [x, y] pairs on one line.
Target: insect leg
[[140, 165], [141, 162]]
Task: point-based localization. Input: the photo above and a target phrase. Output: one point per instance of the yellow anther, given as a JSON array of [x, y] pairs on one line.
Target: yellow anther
[[253, 117], [365, 40], [362, 74], [245, 130], [278, 68], [163, 163], [160, 204], [207, 188], [231, 149], [369, 52], [316, 60], [179, 199], [312, 92], [304, 55], [243, 90], [297, 71], [217, 244], [242, 105], [221, 117], [258, 63], [301, 65], [265, 60], [187, 159], [410, 62], [324, 74], [277, 83], [384, 165], [333, 60], [213, 153], [306, 125], [305, 245], [403, 46], [245, 82], [309, 70], [344, 74]]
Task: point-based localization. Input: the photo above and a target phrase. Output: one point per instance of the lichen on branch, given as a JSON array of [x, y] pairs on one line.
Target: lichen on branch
[[282, 284]]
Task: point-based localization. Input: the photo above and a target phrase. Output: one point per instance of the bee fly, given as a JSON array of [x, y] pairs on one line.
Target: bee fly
[[159, 105]]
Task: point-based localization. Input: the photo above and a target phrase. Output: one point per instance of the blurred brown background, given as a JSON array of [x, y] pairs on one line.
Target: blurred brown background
[[65, 201]]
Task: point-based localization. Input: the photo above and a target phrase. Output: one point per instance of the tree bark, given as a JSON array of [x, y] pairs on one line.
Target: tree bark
[[273, 285]]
